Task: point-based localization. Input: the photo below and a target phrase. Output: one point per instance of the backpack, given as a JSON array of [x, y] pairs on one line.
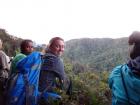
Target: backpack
[[51, 73], [23, 87], [52, 78]]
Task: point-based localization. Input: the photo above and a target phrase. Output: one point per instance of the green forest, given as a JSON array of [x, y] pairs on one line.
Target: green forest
[[88, 62]]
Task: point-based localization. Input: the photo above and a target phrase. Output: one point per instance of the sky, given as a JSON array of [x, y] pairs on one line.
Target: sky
[[40, 20]]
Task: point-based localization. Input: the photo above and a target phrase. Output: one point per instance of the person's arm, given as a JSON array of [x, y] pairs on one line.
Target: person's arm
[[110, 81], [113, 75], [59, 68], [15, 61], [3, 62]]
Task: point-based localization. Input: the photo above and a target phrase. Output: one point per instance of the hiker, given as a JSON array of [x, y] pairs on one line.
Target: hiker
[[26, 48], [52, 74], [25, 89], [4, 72], [124, 80]]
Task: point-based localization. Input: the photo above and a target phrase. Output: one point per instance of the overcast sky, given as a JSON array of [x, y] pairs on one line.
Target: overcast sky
[[41, 20]]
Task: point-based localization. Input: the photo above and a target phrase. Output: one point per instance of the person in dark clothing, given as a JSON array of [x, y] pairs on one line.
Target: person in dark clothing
[[124, 80], [53, 68]]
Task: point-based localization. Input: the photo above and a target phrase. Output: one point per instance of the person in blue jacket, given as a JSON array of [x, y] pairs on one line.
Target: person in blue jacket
[[25, 88], [124, 80]]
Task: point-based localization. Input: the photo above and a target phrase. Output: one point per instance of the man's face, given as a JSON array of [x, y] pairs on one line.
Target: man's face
[[57, 48]]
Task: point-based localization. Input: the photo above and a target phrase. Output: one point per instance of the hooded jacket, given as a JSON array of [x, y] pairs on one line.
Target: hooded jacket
[[131, 75]]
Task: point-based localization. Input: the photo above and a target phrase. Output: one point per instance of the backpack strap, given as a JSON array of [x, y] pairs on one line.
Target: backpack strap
[[124, 85]]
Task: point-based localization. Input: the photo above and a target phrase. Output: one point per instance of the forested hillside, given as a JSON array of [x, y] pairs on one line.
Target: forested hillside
[[97, 54], [84, 54], [87, 62], [10, 43]]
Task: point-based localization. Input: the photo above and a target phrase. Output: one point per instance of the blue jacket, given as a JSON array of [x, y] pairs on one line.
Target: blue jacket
[[29, 70], [132, 81], [26, 86]]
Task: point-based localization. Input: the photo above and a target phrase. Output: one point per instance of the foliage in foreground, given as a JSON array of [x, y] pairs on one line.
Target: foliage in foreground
[[88, 89]]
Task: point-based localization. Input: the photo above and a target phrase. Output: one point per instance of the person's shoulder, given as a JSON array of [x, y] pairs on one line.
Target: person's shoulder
[[50, 56], [50, 59], [20, 55], [33, 57], [116, 71], [35, 53], [2, 53]]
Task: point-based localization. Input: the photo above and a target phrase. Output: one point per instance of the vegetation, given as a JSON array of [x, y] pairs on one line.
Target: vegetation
[[87, 62], [89, 87], [10, 43], [97, 54]]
